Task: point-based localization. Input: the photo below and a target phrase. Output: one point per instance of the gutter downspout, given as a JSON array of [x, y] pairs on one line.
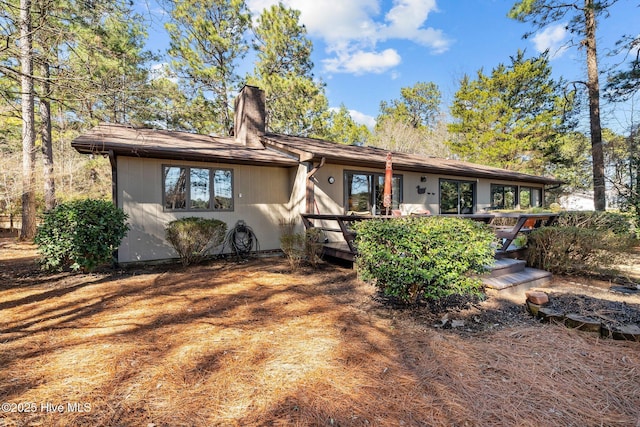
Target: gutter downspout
[[310, 197]]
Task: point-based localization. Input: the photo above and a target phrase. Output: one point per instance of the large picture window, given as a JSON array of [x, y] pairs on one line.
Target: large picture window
[[197, 189], [504, 196], [364, 192], [457, 197]]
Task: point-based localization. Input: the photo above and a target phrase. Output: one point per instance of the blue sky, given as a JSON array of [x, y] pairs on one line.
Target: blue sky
[[366, 50]]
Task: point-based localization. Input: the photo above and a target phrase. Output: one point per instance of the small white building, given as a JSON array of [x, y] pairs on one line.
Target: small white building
[[577, 202]]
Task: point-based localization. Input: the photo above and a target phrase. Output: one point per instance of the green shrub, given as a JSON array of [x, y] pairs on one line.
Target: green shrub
[[80, 234], [576, 250], [193, 237], [429, 257]]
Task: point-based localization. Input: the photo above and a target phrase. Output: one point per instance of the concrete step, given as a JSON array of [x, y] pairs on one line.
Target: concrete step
[[505, 266], [516, 284]]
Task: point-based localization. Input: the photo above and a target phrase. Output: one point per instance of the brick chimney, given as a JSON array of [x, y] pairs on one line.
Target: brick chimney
[[250, 115]]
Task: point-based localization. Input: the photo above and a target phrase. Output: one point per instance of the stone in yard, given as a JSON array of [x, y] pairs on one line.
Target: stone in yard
[[582, 323], [537, 297], [457, 323], [550, 315], [625, 332], [533, 308]]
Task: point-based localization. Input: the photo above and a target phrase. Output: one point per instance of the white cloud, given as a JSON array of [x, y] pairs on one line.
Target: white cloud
[[552, 39], [361, 62], [358, 117], [363, 119], [352, 30], [405, 21]]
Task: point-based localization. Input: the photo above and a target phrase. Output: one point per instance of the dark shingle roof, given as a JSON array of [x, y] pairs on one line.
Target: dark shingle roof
[[162, 144], [311, 149], [282, 150]]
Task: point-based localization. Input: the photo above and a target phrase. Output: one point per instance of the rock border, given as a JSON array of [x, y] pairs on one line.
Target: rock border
[[536, 301]]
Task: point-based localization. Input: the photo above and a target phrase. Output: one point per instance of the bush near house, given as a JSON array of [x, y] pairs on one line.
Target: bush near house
[[291, 243], [428, 257], [194, 237], [300, 246], [581, 243], [80, 235]]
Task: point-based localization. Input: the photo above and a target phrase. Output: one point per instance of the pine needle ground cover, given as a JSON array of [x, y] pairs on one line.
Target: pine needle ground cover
[[253, 344]]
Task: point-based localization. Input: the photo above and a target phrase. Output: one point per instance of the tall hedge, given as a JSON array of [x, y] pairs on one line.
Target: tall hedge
[[424, 257], [80, 235]]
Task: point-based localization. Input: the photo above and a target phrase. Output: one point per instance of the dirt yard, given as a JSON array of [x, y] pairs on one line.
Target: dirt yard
[[253, 344]]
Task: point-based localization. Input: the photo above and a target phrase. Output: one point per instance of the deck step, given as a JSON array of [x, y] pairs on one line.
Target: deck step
[[519, 282], [505, 266]]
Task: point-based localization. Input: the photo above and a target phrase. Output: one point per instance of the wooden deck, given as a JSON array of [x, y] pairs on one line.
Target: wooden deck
[[339, 250], [339, 227], [509, 277], [524, 223], [340, 236]]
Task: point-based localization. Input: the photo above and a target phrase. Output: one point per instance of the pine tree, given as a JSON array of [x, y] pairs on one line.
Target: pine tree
[[28, 230], [623, 84], [418, 106], [511, 118], [582, 15], [60, 58], [409, 124], [345, 130], [296, 103], [207, 40]]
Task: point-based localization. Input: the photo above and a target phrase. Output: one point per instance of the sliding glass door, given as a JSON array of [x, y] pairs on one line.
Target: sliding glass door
[[364, 192], [457, 197]]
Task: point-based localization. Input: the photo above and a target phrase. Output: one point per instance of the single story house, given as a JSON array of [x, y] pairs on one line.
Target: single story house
[[263, 178]]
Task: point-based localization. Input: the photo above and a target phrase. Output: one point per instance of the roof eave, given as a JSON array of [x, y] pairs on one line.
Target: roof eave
[[435, 170], [93, 147]]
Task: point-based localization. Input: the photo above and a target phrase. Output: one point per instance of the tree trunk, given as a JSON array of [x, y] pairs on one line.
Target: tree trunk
[[47, 143], [28, 230], [593, 85]]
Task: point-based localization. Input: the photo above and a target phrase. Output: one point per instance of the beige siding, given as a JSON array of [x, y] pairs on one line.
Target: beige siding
[[298, 193], [330, 197], [262, 196]]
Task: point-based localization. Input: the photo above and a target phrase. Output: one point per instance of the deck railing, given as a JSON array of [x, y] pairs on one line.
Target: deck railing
[[339, 227]]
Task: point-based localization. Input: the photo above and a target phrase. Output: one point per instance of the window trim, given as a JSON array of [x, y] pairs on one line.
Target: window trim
[[374, 176], [212, 173]]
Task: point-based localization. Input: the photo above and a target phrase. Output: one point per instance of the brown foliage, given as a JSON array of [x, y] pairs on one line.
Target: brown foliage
[[251, 344]]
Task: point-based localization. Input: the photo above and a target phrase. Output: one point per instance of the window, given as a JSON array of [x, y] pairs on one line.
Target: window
[[530, 197], [365, 191], [197, 189], [457, 197], [504, 196]]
